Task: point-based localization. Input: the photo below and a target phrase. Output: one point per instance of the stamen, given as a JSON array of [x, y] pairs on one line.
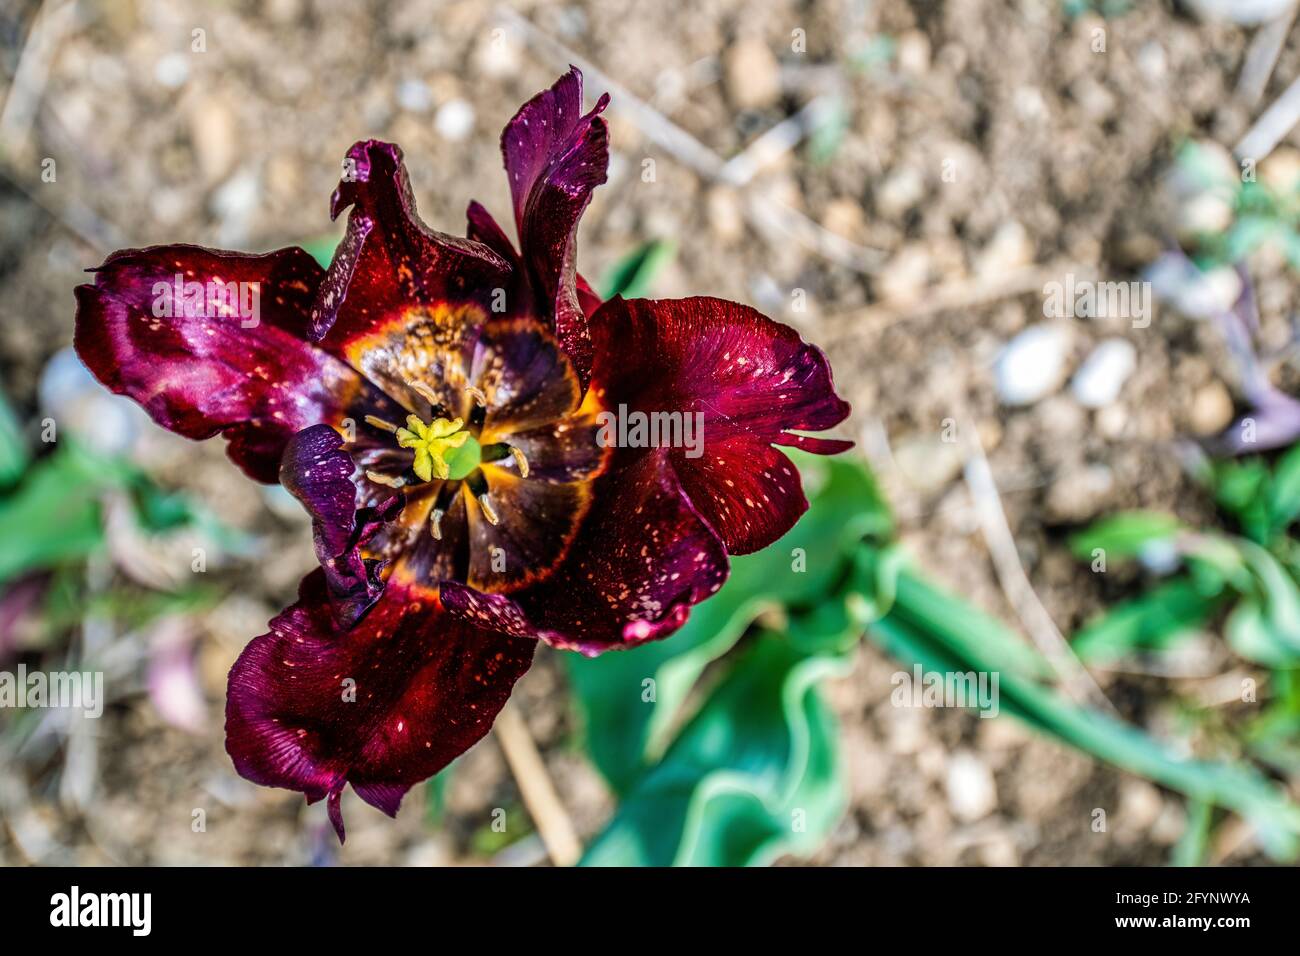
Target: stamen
[[520, 461], [380, 423], [425, 392], [435, 525], [479, 398], [381, 479], [486, 504]]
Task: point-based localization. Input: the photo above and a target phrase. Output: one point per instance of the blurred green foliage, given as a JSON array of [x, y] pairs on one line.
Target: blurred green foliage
[[1250, 581], [53, 519], [719, 745], [1260, 213], [632, 276]]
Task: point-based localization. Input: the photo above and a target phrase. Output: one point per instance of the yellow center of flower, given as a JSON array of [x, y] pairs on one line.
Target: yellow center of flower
[[443, 450]]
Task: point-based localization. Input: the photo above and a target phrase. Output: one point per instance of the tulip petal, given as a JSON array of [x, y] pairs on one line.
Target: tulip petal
[[483, 228], [555, 155], [747, 381], [641, 560], [320, 473], [389, 260], [381, 705], [205, 365]]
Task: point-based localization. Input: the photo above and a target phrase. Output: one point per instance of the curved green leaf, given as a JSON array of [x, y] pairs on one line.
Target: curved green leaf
[[754, 774]]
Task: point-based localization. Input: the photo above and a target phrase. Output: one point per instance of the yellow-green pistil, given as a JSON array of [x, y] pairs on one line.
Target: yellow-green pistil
[[442, 448]]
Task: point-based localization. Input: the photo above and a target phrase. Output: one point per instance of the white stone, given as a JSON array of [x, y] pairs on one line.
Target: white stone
[[1031, 366], [455, 120], [172, 70], [1104, 372], [972, 793], [414, 96]]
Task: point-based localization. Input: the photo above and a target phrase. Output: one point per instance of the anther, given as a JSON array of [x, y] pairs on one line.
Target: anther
[[486, 504], [520, 461], [380, 423], [477, 393], [425, 392], [381, 479], [435, 525]]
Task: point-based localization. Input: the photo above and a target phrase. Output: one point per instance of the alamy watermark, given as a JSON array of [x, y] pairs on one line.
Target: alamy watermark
[[977, 690], [1086, 299], [208, 300], [133, 911], [638, 429], [67, 690]]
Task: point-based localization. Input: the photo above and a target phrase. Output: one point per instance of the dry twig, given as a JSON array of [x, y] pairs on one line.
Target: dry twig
[[536, 788], [1076, 680]]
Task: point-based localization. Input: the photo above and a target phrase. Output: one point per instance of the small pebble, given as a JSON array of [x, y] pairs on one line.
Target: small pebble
[[414, 96], [1032, 365], [972, 793], [455, 120], [753, 74], [172, 70], [1104, 372], [1212, 409]]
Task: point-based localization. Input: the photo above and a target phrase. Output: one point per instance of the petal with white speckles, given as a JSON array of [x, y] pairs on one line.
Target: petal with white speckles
[[642, 559], [555, 155], [389, 260], [203, 365], [754, 383], [381, 705]]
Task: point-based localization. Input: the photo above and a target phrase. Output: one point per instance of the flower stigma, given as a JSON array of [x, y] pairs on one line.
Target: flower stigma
[[443, 449]]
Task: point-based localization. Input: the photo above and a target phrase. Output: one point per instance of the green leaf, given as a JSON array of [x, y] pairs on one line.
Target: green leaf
[[966, 630], [1235, 786], [1247, 234], [632, 701], [435, 795], [1285, 493], [1193, 846], [875, 53], [1154, 620], [753, 775], [1250, 634], [1125, 534], [631, 276], [322, 249], [1197, 160], [1242, 489], [54, 515], [14, 456], [1266, 626]]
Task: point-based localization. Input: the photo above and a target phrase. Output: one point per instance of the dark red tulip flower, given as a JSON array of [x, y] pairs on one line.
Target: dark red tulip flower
[[490, 454]]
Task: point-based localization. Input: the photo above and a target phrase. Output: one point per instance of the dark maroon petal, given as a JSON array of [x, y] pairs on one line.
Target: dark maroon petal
[[201, 367], [818, 446], [754, 381], [527, 378], [382, 705], [642, 559], [747, 490], [555, 155], [481, 227], [567, 450], [389, 260], [320, 473], [588, 297], [537, 521], [416, 555]]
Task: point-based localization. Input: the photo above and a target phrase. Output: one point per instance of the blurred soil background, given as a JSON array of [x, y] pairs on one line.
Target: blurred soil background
[[949, 159]]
